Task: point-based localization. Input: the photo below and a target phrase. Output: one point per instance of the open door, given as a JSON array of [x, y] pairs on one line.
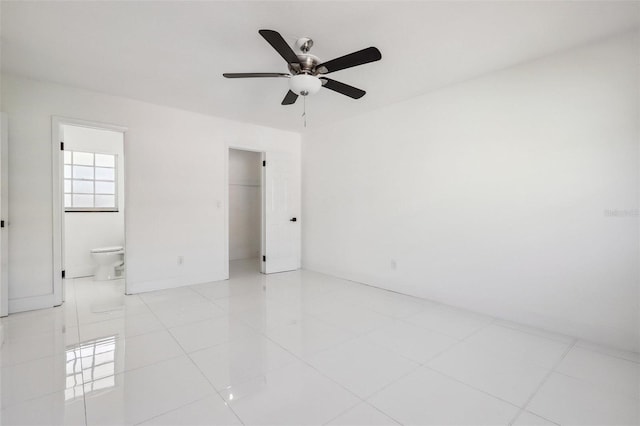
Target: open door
[[4, 210], [282, 213]]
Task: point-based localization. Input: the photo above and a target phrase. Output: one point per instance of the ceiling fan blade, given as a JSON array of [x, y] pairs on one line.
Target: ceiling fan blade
[[364, 56], [277, 42], [254, 74], [345, 89], [290, 98]]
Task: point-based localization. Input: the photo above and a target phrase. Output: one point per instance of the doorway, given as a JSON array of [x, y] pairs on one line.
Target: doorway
[[278, 174], [90, 210], [246, 196]]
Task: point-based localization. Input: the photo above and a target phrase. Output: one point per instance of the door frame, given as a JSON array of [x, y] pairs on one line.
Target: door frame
[[57, 190], [4, 215], [263, 156]]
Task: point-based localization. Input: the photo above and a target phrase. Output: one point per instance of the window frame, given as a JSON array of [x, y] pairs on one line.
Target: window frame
[[115, 208]]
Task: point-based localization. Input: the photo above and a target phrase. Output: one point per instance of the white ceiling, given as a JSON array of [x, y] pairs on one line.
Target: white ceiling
[[174, 53]]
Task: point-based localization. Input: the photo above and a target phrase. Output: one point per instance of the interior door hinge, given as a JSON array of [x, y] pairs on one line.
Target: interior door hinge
[[264, 163], [63, 274], [61, 146], [264, 258], [1, 223]]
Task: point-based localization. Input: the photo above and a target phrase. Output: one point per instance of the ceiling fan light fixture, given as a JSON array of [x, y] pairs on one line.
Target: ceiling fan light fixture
[[304, 84]]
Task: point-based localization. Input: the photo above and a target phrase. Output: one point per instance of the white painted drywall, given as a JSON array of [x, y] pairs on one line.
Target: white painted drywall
[[244, 204], [493, 194], [84, 231], [176, 185]]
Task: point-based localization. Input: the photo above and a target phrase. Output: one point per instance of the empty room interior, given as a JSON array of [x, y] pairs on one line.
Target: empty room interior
[[320, 212]]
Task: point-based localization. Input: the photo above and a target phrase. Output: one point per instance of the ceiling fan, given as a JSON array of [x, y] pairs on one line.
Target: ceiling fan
[[307, 72]]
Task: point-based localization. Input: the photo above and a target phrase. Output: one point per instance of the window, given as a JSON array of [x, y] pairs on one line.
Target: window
[[90, 182]]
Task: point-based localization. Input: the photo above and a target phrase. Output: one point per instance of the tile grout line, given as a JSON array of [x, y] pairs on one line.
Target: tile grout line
[[84, 398], [137, 368], [355, 336], [481, 390], [214, 389], [172, 410], [604, 352], [562, 339], [425, 366], [305, 362], [495, 320], [566, 339], [42, 312], [100, 321], [574, 343], [196, 367], [543, 381], [457, 343], [84, 382], [382, 412], [60, 354], [123, 338], [165, 329], [470, 386], [390, 384], [360, 403]]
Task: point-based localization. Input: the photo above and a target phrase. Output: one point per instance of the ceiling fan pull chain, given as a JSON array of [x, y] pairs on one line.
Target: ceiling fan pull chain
[[304, 110]]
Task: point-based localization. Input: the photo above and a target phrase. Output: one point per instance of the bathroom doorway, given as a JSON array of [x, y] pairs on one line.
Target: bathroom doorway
[[91, 204], [245, 212]]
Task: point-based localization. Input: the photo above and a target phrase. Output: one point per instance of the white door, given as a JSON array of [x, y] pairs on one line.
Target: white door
[[282, 213], [4, 210]]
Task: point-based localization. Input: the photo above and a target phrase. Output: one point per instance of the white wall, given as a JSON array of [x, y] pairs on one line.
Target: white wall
[[492, 194], [84, 231], [176, 185], [244, 204]]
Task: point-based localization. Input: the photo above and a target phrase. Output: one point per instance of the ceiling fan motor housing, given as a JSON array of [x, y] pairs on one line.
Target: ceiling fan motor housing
[[307, 64]]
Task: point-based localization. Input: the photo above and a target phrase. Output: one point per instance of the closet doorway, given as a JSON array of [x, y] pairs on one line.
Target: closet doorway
[[245, 211]]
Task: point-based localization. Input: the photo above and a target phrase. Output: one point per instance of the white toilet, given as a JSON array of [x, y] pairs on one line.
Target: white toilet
[[110, 261]]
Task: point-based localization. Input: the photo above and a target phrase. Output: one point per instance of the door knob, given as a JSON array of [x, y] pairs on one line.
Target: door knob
[[293, 219]]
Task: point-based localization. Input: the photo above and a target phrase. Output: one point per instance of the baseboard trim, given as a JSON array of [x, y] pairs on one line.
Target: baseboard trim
[[31, 303], [608, 338], [146, 286], [79, 271]]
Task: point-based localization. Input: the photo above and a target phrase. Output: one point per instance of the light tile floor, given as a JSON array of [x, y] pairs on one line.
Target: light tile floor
[[298, 348]]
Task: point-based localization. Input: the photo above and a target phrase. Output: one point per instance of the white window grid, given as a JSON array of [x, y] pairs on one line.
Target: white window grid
[[69, 161]]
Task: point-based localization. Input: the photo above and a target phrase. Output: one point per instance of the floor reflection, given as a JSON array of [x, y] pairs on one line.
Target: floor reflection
[[293, 348], [74, 381], [90, 367]]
